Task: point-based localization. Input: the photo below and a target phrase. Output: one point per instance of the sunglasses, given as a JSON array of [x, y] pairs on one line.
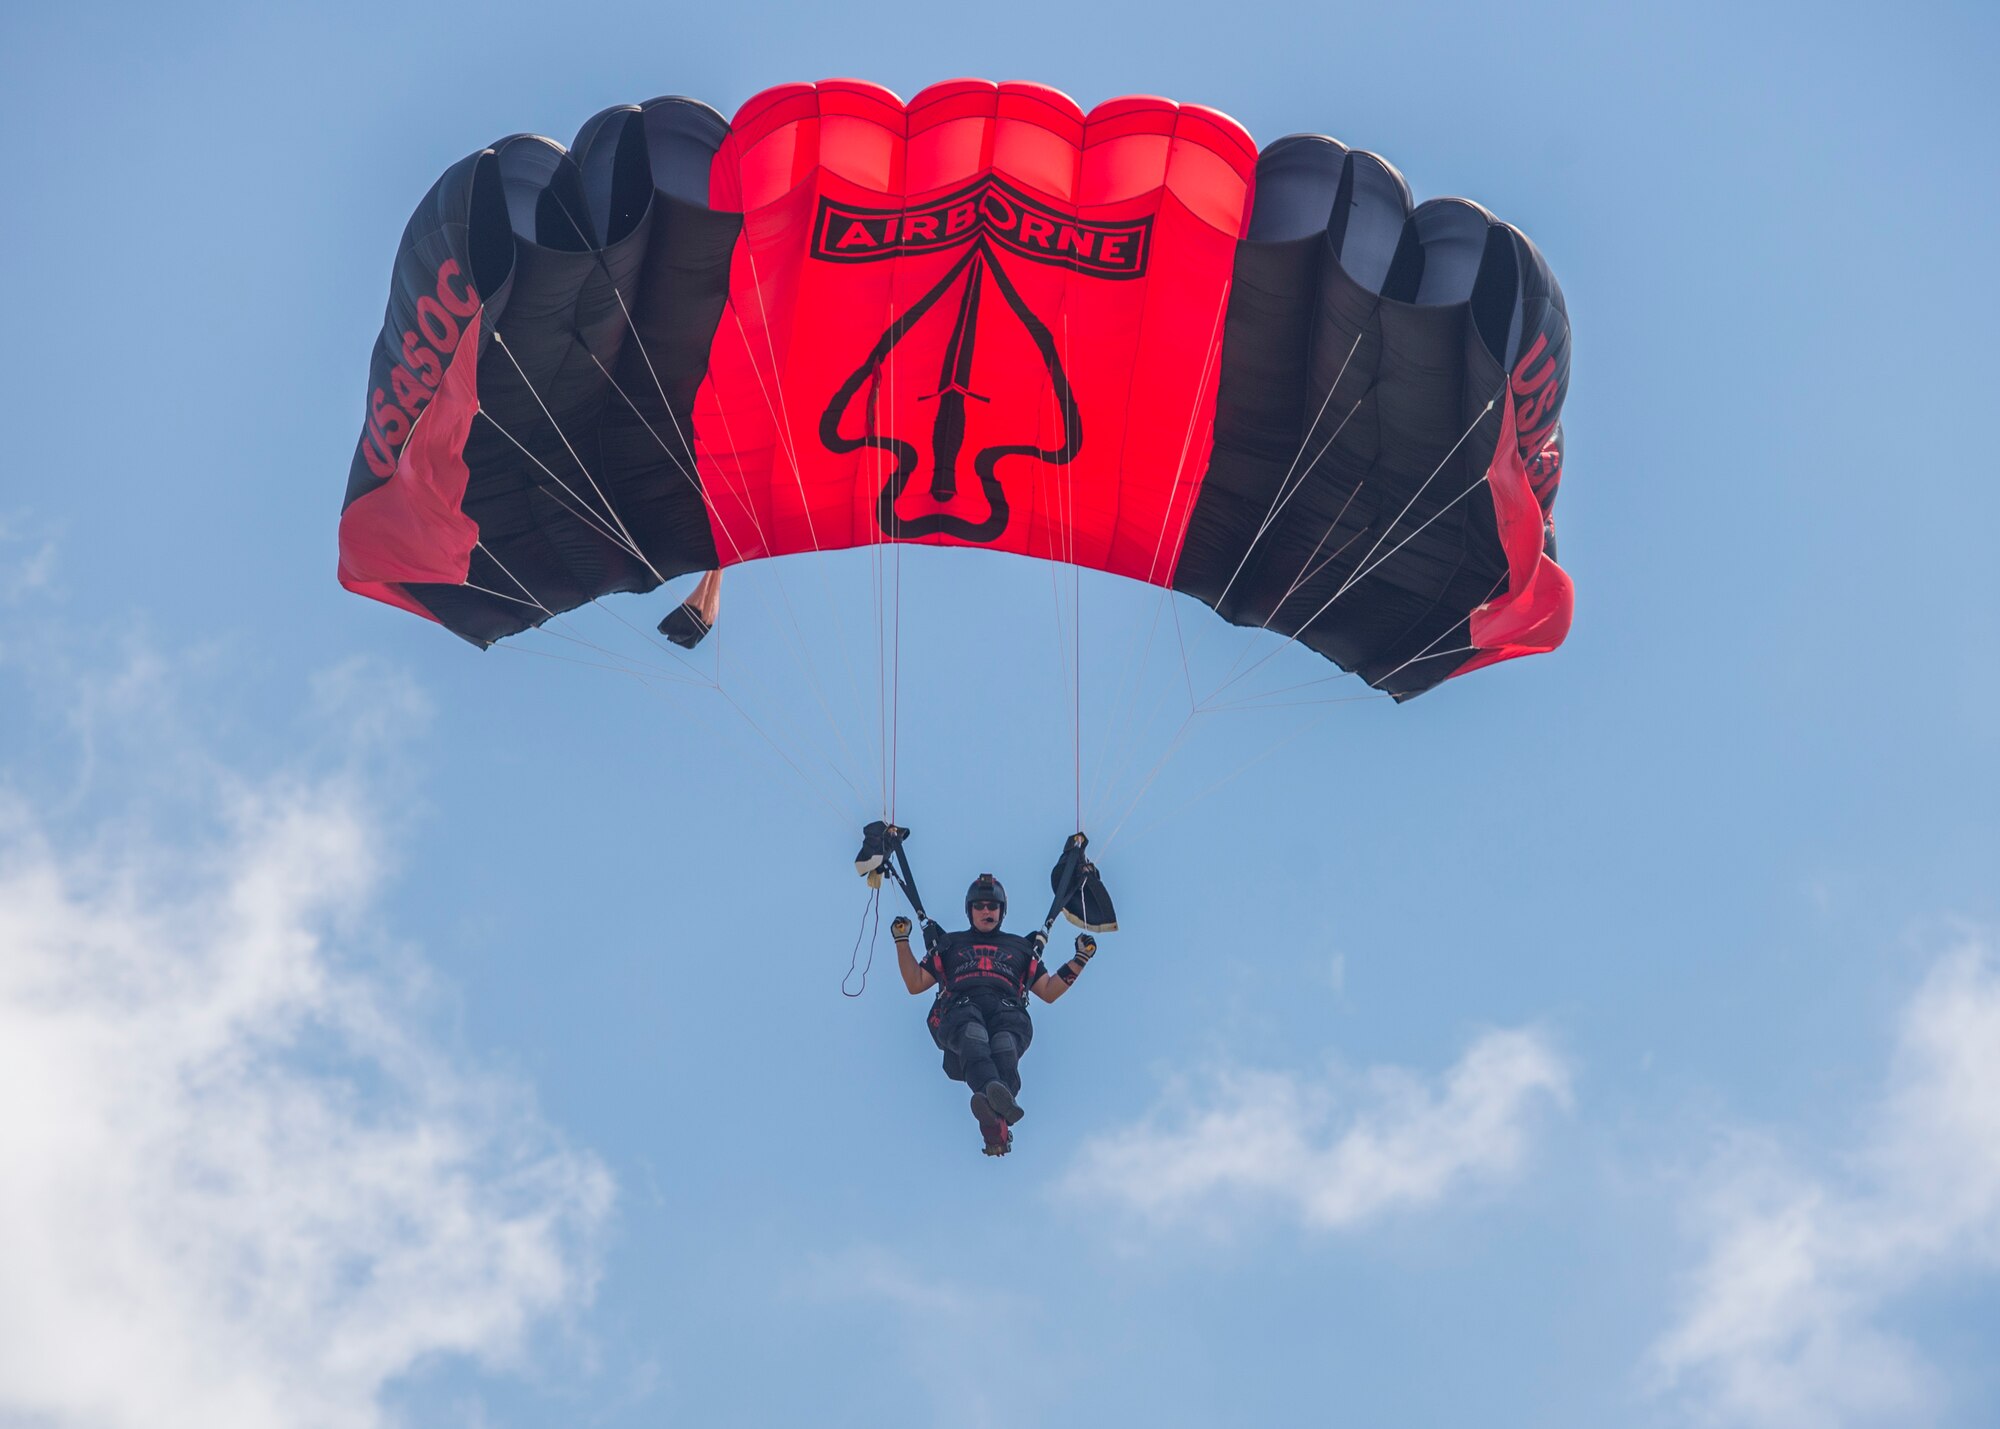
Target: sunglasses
[[986, 905]]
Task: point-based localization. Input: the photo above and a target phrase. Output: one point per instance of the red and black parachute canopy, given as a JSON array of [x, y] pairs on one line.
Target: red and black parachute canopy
[[1126, 339]]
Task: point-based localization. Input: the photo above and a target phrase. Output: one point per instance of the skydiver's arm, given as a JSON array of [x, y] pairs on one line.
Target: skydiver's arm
[[915, 977], [1050, 986]]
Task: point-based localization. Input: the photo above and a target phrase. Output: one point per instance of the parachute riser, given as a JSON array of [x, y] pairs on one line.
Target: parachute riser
[[900, 875]]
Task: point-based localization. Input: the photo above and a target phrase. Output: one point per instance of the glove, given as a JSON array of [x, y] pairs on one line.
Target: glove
[[900, 929], [1040, 941], [1086, 949], [933, 937]]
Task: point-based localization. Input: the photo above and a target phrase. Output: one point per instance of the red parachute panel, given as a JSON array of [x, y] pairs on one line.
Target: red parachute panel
[[982, 318]]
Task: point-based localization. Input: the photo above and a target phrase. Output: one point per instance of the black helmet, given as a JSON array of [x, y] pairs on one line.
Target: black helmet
[[984, 887]]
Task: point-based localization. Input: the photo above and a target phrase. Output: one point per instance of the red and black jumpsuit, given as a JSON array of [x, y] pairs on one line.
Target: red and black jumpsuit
[[980, 1016]]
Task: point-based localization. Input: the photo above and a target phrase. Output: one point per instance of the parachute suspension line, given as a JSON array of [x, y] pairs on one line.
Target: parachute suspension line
[[583, 516], [1180, 736], [782, 415], [1159, 544], [1064, 642], [582, 511], [1076, 719], [1285, 494], [888, 613], [844, 815], [1236, 773], [879, 597], [498, 595], [625, 666], [1056, 491], [1181, 732], [707, 500], [797, 642], [1427, 653], [1289, 487], [639, 342], [1263, 701], [1128, 731], [1306, 573], [774, 410], [878, 591], [1294, 481], [1313, 565], [1286, 488], [888, 645], [650, 637], [779, 413], [611, 511], [894, 718], [688, 469], [625, 669], [1187, 444], [625, 663], [1116, 737], [619, 669], [693, 466], [775, 713], [586, 515], [891, 717], [876, 599], [1366, 566], [1170, 814], [1187, 674], [1076, 583], [896, 684]]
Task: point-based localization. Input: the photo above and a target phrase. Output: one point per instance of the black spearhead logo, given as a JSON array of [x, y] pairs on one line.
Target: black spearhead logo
[[988, 219]]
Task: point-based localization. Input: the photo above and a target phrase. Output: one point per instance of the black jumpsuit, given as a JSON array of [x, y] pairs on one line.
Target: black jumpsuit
[[980, 1016]]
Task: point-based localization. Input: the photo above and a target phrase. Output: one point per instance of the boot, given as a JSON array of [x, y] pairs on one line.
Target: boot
[[998, 1139], [1000, 1097]]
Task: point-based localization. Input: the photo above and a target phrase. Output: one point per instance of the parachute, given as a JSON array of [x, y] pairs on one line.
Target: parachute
[[1126, 339]]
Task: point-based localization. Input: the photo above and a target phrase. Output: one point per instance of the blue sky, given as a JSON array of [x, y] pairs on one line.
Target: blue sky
[[396, 1034]]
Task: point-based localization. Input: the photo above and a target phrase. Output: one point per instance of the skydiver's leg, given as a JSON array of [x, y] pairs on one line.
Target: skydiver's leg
[[1009, 1031], [975, 1052], [1007, 1059], [974, 1055]]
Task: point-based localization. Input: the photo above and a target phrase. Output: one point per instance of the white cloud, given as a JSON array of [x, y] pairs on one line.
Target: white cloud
[[1333, 1155], [1781, 1324], [238, 1186], [27, 562]]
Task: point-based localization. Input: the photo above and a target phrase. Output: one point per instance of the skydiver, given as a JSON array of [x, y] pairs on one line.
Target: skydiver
[[979, 1017]]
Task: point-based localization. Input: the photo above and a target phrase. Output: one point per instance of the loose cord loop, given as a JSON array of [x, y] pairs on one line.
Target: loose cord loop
[[873, 935]]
